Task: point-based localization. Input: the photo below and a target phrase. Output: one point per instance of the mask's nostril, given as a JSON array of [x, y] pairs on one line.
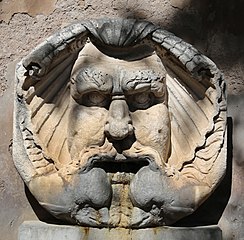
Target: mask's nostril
[[130, 129], [117, 131], [106, 129]]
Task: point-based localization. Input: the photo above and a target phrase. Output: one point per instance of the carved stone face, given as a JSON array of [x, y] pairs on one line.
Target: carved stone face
[[121, 104], [112, 139], [119, 121]]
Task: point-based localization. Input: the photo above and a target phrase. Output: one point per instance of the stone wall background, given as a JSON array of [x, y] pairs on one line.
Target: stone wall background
[[215, 27]]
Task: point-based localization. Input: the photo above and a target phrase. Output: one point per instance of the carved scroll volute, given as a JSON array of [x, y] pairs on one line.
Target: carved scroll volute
[[106, 107]]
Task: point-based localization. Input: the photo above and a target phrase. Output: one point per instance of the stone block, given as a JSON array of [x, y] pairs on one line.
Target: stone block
[[42, 231]]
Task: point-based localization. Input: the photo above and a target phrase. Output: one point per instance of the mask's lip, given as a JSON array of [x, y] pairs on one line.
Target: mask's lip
[[120, 163]]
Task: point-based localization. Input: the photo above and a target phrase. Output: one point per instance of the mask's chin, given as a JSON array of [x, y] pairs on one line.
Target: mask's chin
[[122, 175]]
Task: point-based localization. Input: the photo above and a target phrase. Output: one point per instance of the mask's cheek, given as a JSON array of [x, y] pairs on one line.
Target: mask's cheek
[[85, 128], [152, 128]]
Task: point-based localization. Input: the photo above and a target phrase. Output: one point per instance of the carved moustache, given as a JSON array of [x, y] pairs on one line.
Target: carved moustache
[[107, 158]]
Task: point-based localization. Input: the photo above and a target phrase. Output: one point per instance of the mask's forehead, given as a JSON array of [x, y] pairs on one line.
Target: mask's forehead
[[90, 56]]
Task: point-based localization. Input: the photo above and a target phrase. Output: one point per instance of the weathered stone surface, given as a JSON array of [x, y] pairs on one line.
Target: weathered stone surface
[[33, 8], [180, 4], [152, 123], [15, 207], [233, 216], [42, 231], [212, 26]]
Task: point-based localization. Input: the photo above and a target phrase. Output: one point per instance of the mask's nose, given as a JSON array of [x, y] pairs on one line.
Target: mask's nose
[[118, 125]]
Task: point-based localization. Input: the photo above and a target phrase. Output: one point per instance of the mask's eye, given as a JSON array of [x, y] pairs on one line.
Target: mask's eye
[[141, 100], [95, 99]]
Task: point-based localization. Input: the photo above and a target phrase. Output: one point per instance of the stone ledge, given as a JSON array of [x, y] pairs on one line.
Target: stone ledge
[[37, 230]]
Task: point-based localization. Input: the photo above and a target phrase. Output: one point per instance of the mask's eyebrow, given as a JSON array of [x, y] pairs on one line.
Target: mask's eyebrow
[[90, 75], [142, 80], [89, 79]]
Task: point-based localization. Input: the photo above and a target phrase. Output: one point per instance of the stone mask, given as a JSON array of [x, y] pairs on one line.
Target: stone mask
[[119, 123]]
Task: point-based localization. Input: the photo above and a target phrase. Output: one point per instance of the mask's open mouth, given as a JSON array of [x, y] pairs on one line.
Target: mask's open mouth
[[129, 166]]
